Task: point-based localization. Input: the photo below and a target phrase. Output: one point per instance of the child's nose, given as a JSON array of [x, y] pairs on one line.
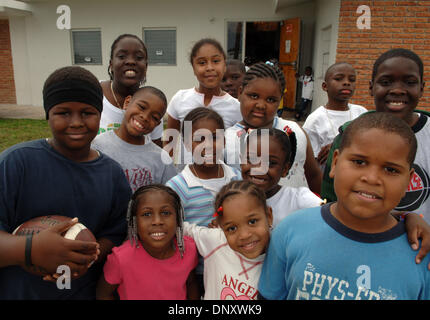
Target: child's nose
[[244, 233], [372, 175], [76, 120]]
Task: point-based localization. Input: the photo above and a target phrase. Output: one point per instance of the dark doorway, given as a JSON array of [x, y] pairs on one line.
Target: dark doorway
[[262, 41]]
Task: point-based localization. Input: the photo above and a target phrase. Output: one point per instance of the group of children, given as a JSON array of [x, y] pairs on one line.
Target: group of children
[[200, 225]]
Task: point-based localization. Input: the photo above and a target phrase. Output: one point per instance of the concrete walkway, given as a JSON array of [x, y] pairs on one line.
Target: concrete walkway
[[14, 111]]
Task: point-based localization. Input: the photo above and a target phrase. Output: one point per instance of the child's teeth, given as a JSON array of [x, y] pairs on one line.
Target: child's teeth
[[130, 73]]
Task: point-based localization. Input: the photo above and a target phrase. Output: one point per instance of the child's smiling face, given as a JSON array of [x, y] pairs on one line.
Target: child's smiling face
[[209, 66], [370, 181], [246, 225], [259, 101], [397, 87], [156, 223], [265, 175], [144, 112], [129, 62]]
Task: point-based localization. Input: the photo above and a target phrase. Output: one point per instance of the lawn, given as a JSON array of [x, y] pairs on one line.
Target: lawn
[[13, 131]]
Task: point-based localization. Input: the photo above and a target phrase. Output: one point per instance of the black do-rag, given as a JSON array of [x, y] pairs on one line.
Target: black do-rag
[[72, 90]]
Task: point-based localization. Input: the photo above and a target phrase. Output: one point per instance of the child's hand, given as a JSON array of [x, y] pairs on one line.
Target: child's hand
[[50, 250], [417, 228], [322, 156]]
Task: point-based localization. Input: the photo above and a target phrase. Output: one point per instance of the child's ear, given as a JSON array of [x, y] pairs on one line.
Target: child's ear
[[269, 216], [126, 102], [371, 88], [333, 163], [285, 170], [324, 86], [239, 92]]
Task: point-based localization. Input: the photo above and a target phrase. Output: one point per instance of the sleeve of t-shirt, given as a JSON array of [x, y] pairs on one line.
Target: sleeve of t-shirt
[[111, 269], [172, 108], [307, 199], [206, 239], [115, 228], [10, 179], [313, 134], [157, 133], [169, 169], [272, 279]]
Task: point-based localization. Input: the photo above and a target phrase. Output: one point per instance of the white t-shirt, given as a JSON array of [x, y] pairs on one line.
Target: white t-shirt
[[112, 116], [322, 124], [287, 200], [188, 99], [308, 86], [296, 175], [227, 274]]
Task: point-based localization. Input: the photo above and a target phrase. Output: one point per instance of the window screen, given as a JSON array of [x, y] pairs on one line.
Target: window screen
[[86, 47], [161, 45]]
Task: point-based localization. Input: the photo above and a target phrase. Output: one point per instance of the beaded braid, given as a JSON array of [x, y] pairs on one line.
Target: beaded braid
[[131, 215], [264, 70]]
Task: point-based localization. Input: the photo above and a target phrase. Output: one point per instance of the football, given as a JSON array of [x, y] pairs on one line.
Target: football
[[77, 232]]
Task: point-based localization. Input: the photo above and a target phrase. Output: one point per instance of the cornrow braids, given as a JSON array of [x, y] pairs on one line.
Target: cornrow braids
[[236, 187], [132, 208], [264, 70]]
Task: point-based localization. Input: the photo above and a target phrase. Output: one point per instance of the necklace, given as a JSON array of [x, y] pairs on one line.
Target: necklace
[[195, 172], [114, 96], [331, 123]]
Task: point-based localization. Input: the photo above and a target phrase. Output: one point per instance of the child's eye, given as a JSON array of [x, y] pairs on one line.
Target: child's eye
[[358, 162], [252, 221], [166, 213], [253, 96], [231, 229], [384, 82], [146, 214], [272, 100], [391, 170]]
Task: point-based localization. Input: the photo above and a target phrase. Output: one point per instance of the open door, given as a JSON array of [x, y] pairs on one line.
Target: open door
[[288, 58]]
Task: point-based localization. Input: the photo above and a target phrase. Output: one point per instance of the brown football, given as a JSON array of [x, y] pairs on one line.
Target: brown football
[[77, 232]]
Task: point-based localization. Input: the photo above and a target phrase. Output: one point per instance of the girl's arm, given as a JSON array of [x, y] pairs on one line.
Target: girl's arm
[[313, 172], [105, 290], [193, 292]]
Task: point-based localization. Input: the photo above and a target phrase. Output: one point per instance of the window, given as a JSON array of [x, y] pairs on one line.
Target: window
[[234, 40], [86, 47], [325, 45], [161, 46]]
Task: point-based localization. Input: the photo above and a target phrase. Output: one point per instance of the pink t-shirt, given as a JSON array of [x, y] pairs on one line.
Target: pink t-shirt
[[142, 277]]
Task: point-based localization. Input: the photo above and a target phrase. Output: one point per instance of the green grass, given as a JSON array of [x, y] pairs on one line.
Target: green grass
[[13, 131]]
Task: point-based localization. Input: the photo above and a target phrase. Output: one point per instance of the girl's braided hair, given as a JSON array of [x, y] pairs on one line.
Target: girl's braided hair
[[236, 187], [132, 208], [264, 70]]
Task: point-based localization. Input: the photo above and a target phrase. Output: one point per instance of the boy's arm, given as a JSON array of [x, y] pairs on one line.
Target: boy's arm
[[417, 228], [48, 250]]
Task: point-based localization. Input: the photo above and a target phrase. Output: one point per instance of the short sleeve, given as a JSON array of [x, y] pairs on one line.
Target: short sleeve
[[172, 108], [111, 269], [272, 279]]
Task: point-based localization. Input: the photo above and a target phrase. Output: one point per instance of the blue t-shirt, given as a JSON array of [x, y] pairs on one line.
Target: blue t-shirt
[[313, 256], [35, 180]]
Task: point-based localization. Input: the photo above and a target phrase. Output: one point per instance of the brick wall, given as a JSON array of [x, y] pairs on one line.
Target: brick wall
[[7, 82], [394, 24]]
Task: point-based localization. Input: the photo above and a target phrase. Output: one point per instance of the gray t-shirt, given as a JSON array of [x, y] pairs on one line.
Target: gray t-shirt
[[142, 164]]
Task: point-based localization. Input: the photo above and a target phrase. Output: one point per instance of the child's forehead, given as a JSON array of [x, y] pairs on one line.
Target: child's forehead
[[401, 65], [343, 68]]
